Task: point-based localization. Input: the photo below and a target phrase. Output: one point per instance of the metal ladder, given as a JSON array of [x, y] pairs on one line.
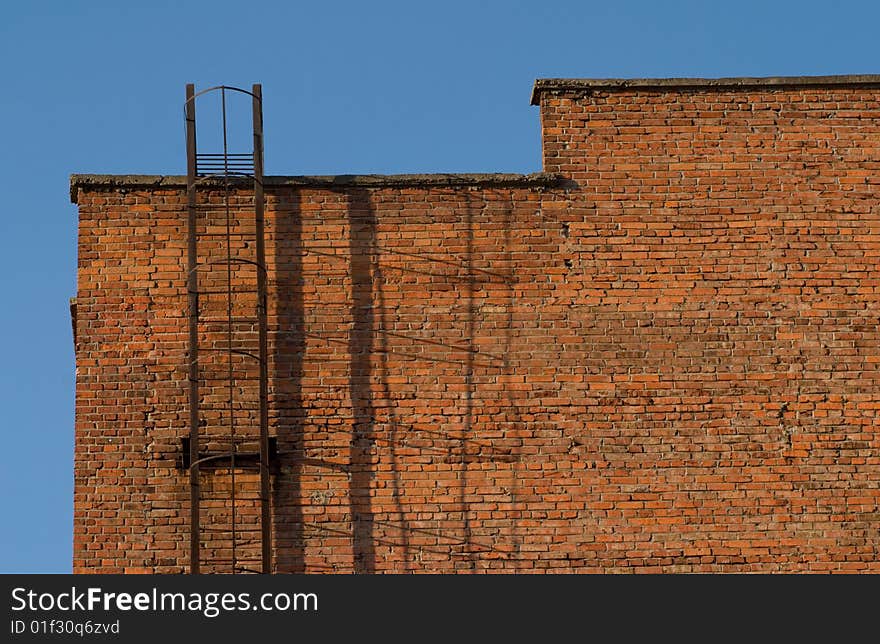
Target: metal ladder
[[228, 451]]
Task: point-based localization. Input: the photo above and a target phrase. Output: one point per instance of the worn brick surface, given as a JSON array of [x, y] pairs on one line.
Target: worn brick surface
[[667, 362]]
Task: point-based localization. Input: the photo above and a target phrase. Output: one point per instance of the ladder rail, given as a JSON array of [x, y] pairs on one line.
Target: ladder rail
[[193, 300]]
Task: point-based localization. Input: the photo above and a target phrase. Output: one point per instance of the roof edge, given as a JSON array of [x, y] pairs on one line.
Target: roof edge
[[150, 181], [586, 84]]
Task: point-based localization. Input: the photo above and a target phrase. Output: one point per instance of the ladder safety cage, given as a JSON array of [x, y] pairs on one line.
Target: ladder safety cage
[[230, 520]]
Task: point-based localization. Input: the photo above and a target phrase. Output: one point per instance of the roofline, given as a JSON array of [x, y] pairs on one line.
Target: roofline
[[672, 84], [342, 181]]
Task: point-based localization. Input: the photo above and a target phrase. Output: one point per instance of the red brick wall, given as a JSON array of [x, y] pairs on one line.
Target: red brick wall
[[130, 308], [666, 362]]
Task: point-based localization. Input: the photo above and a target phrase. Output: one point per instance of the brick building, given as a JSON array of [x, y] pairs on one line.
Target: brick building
[[660, 354]]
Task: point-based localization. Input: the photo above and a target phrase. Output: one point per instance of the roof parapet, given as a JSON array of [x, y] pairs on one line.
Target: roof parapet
[[672, 84], [342, 181]]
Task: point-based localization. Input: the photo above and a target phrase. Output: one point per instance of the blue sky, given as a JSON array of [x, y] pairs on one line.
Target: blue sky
[[349, 87]]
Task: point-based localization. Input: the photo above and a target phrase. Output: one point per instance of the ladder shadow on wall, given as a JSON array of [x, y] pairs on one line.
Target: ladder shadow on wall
[[290, 409], [286, 413], [287, 402], [323, 490]]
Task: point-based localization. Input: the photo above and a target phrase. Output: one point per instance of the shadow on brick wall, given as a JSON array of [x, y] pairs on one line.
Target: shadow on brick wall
[[363, 253], [285, 385], [381, 534], [468, 430]]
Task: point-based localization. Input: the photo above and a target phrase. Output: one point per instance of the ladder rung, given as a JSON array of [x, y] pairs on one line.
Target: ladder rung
[[238, 455], [230, 260], [234, 320], [224, 456], [220, 162], [213, 167], [223, 292], [238, 352], [226, 377], [239, 438], [221, 208], [221, 168], [215, 164], [215, 441], [223, 174]]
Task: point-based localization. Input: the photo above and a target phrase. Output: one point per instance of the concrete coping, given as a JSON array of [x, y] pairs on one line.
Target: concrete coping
[[339, 182], [586, 85]]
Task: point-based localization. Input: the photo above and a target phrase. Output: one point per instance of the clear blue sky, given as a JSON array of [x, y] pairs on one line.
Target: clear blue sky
[[349, 87]]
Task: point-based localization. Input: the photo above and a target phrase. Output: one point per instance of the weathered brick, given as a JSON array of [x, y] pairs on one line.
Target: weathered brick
[[664, 361]]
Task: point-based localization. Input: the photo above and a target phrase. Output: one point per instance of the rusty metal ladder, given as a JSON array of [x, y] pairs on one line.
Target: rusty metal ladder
[[228, 451]]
